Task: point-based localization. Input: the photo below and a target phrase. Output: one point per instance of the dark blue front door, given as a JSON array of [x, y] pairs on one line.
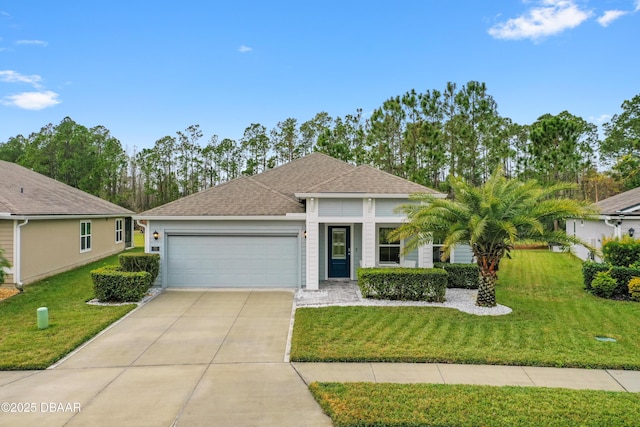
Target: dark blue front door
[[339, 252]]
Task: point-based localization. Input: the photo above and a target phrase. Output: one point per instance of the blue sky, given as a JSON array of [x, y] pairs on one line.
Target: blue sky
[[149, 69]]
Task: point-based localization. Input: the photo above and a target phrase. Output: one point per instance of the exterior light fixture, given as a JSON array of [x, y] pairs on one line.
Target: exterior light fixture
[[305, 233], [631, 232], [156, 235]]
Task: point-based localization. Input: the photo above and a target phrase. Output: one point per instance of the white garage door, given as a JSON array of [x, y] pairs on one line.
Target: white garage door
[[256, 261]]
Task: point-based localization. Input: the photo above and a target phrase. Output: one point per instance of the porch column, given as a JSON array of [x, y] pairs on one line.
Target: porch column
[[313, 246], [369, 233]]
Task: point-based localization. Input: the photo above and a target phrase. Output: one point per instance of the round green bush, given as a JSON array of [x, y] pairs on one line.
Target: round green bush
[[603, 284]]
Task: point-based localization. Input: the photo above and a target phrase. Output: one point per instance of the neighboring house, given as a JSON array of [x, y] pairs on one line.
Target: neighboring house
[[47, 227], [619, 216], [314, 219]]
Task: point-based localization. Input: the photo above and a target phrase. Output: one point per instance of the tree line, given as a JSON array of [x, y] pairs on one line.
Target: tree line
[[424, 137]]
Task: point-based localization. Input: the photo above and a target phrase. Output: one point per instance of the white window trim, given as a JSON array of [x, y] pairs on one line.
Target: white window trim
[[378, 246], [119, 230], [89, 235]]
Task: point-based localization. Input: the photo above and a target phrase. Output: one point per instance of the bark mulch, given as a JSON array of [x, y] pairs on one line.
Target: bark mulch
[[7, 292]]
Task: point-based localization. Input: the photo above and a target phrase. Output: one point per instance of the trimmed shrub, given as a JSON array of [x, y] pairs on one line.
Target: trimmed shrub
[[111, 284], [140, 262], [621, 274], [634, 288], [408, 284], [465, 276], [589, 270], [621, 252], [603, 284]]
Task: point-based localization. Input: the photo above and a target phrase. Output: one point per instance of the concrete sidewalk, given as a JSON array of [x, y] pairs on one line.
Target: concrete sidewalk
[[442, 373]]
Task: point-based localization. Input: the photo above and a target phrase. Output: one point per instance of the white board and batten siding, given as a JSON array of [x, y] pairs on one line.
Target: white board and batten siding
[[387, 207], [340, 208]]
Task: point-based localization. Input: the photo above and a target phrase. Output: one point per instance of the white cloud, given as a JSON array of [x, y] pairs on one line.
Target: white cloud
[[244, 49], [10, 76], [32, 100], [637, 6], [610, 16], [33, 42], [600, 119], [549, 18], [36, 100]]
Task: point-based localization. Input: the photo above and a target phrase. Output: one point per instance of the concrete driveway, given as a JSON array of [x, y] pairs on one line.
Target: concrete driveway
[[186, 358]]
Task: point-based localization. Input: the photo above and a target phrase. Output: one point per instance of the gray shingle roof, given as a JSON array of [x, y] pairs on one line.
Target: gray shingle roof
[[366, 179], [620, 202], [239, 197], [304, 173], [273, 191], [25, 192]]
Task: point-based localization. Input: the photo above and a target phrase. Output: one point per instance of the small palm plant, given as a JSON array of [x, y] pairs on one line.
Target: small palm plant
[[491, 219], [4, 263]]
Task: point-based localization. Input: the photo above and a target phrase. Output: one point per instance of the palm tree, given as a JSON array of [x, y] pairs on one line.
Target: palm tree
[[491, 219]]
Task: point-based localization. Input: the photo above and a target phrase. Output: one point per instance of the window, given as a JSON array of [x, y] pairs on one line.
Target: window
[[388, 250], [437, 254], [85, 236], [339, 243], [438, 251], [119, 229]]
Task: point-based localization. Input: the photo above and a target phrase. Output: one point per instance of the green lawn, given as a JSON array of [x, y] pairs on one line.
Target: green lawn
[[554, 323], [71, 320], [138, 240], [367, 404]]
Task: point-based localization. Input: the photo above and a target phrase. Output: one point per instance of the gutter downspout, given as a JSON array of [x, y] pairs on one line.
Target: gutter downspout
[[146, 249], [616, 228], [17, 265]]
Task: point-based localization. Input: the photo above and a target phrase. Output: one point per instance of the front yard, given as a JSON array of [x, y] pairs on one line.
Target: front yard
[[554, 323]]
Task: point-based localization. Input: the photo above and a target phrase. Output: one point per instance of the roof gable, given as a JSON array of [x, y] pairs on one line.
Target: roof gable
[[25, 192]]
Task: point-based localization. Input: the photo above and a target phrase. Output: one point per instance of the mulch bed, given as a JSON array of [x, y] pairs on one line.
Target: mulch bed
[[7, 292]]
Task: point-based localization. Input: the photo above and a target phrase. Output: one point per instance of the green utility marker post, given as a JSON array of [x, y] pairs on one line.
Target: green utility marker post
[[43, 318]]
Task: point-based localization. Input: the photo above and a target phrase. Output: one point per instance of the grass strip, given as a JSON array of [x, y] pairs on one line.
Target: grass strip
[[368, 404]]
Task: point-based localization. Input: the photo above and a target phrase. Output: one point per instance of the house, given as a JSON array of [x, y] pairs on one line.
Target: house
[[313, 219], [47, 227], [619, 216]]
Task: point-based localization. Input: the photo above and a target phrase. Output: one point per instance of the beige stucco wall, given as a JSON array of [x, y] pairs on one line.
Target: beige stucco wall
[[6, 243], [52, 246]]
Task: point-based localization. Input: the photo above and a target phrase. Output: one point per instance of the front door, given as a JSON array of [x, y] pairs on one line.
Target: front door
[[339, 252]]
